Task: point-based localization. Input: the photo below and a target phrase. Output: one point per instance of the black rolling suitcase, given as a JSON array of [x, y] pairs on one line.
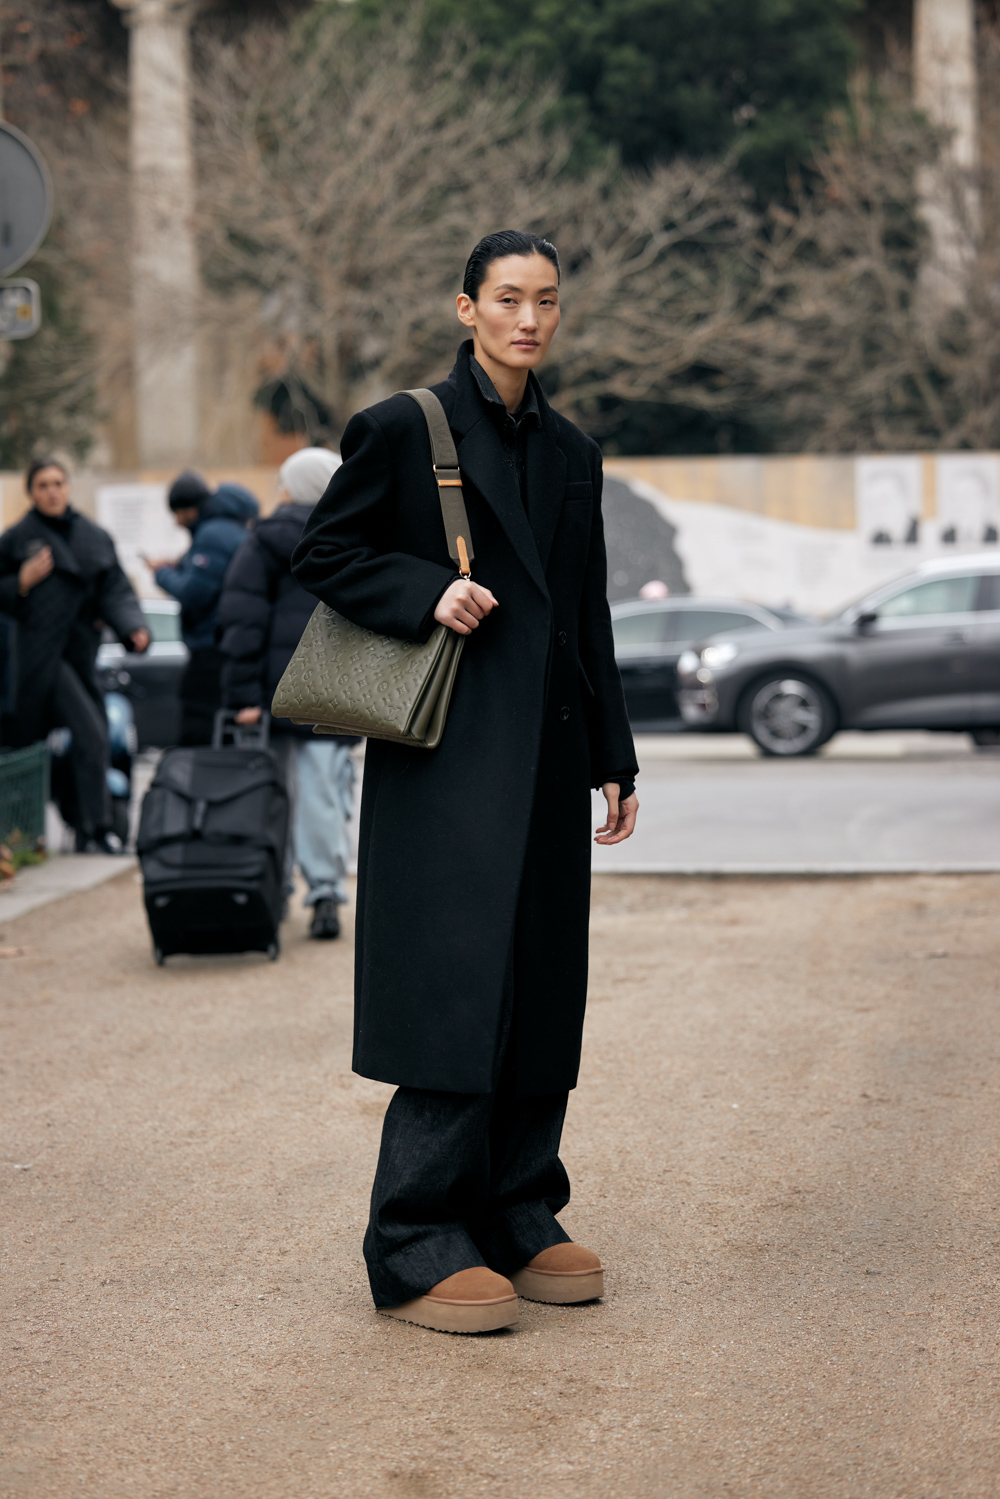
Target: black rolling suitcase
[[211, 846]]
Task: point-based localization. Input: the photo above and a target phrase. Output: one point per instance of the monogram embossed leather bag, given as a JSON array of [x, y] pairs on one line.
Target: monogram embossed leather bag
[[344, 679]]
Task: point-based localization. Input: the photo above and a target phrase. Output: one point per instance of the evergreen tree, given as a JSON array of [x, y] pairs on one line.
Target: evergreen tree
[[657, 78]]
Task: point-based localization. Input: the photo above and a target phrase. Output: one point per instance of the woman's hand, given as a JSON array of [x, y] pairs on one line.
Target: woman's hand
[[34, 570], [248, 715], [462, 605], [621, 815]]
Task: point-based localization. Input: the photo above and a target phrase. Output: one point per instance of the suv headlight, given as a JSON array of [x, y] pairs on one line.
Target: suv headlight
[[687, 661], [718, 656]]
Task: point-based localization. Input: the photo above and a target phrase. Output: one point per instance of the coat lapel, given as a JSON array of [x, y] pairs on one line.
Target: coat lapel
[[481, 460], [546, 475]]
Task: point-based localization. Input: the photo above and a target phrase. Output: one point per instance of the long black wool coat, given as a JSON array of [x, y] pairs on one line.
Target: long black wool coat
[[60, 618], [475, 857]]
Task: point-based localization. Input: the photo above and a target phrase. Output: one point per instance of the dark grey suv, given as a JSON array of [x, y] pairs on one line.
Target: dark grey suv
[[920, 653]]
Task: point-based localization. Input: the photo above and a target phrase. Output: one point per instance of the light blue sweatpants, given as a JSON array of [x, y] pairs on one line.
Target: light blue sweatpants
[[319, 774]]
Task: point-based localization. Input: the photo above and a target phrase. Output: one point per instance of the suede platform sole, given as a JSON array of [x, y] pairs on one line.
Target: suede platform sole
[[442, 1315], [558, 1287]]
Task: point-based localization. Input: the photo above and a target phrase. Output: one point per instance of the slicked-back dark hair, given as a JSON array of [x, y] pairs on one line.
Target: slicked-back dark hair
[[37, 466], [495, 247]]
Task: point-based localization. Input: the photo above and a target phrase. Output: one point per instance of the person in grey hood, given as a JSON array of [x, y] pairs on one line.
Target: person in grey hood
[[262, 613], [218, 524]]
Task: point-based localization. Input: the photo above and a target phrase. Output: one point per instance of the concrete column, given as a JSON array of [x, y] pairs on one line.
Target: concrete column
[[945, 88], [164, 257]]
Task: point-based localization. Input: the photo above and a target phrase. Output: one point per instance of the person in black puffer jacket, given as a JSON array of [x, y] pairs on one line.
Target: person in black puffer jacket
[[218, 524], [262, 613]]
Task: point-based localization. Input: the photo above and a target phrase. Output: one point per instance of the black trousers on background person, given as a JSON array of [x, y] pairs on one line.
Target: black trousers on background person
[[201, 695], [86, 720], [464, 1179]]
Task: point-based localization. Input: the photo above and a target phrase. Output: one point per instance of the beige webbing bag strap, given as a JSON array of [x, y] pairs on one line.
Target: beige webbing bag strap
[[449, 479]]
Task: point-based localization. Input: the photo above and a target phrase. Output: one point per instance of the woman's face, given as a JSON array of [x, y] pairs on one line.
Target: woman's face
[[516, 313], [50, 491]]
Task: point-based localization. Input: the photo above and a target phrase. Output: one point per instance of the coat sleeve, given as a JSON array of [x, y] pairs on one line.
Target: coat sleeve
[[342, 557], [195, 581], [174, 578], [11, 601], [245, 609], [612, 751], [118, 605]]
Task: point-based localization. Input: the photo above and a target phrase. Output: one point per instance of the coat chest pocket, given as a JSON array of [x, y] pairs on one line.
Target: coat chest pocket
[[580, 493]]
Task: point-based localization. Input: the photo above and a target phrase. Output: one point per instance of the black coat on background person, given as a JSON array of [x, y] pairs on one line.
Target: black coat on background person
[[59, 619], [474, 858], [262, 613]]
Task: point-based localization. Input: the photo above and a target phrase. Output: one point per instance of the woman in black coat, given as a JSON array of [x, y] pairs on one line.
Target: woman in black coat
[[474, 858], [60, 581]]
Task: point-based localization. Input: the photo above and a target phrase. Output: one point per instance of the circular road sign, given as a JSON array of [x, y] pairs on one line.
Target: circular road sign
[[25, 198]]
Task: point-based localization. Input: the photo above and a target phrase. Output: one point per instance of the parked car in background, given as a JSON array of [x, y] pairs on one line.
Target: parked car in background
[[150, 682], [650, 636], [922, 652]]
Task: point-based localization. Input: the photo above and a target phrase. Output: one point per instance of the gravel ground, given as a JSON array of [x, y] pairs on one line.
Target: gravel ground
[[784, 1146]]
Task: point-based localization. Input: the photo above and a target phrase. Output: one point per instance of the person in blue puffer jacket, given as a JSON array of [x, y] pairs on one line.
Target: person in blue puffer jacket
[[218, 524]]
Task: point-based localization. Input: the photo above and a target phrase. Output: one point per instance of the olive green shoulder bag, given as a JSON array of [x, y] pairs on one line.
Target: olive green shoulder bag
[[343, 679]]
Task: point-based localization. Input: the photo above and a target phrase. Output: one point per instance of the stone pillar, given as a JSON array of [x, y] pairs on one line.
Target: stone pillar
[[944, 85], [164, 257]]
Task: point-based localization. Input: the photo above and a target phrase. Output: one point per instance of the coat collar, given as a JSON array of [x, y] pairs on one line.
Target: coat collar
[[480, 456], [59, 540]]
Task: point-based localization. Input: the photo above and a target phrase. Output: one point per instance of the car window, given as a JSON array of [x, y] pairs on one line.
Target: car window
[[695, 624], [633, 631], [989, 597], [164, 627], [936, 596]]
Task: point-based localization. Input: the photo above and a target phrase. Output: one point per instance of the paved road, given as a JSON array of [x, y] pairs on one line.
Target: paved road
[[784, 1143], [870, 803]]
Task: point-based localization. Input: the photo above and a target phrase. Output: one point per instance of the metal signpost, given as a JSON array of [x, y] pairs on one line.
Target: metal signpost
[[25, 214]]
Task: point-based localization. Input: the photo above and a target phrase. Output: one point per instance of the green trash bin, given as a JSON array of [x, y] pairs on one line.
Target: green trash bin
[[24, 791]]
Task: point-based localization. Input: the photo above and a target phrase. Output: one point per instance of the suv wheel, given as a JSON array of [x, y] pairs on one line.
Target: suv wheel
[[984, 738], [788, 716]]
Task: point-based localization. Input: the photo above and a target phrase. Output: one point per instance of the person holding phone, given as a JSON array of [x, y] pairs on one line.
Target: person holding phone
[[60, 582]]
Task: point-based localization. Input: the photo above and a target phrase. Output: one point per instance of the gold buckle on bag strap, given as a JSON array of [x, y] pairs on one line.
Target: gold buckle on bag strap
[[453, 479]]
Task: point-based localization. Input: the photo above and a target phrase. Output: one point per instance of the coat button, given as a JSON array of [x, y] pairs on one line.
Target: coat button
[[561, 638], [563, 714]]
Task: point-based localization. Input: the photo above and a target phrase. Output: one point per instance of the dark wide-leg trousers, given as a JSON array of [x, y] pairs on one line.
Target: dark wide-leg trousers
[[76, 710], [464, 1179]]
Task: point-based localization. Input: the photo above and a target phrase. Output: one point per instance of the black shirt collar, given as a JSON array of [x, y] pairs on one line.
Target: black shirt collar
[[59, 523], [529, 402]]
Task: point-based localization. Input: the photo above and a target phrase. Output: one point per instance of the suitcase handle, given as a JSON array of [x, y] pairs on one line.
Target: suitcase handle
[[241, 735]]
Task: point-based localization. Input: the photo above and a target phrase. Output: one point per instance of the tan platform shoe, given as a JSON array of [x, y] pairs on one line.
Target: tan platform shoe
[[561, 1275], [476, 1300]]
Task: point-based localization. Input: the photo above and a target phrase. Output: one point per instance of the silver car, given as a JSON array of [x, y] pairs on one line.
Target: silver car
[[151, 682]]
